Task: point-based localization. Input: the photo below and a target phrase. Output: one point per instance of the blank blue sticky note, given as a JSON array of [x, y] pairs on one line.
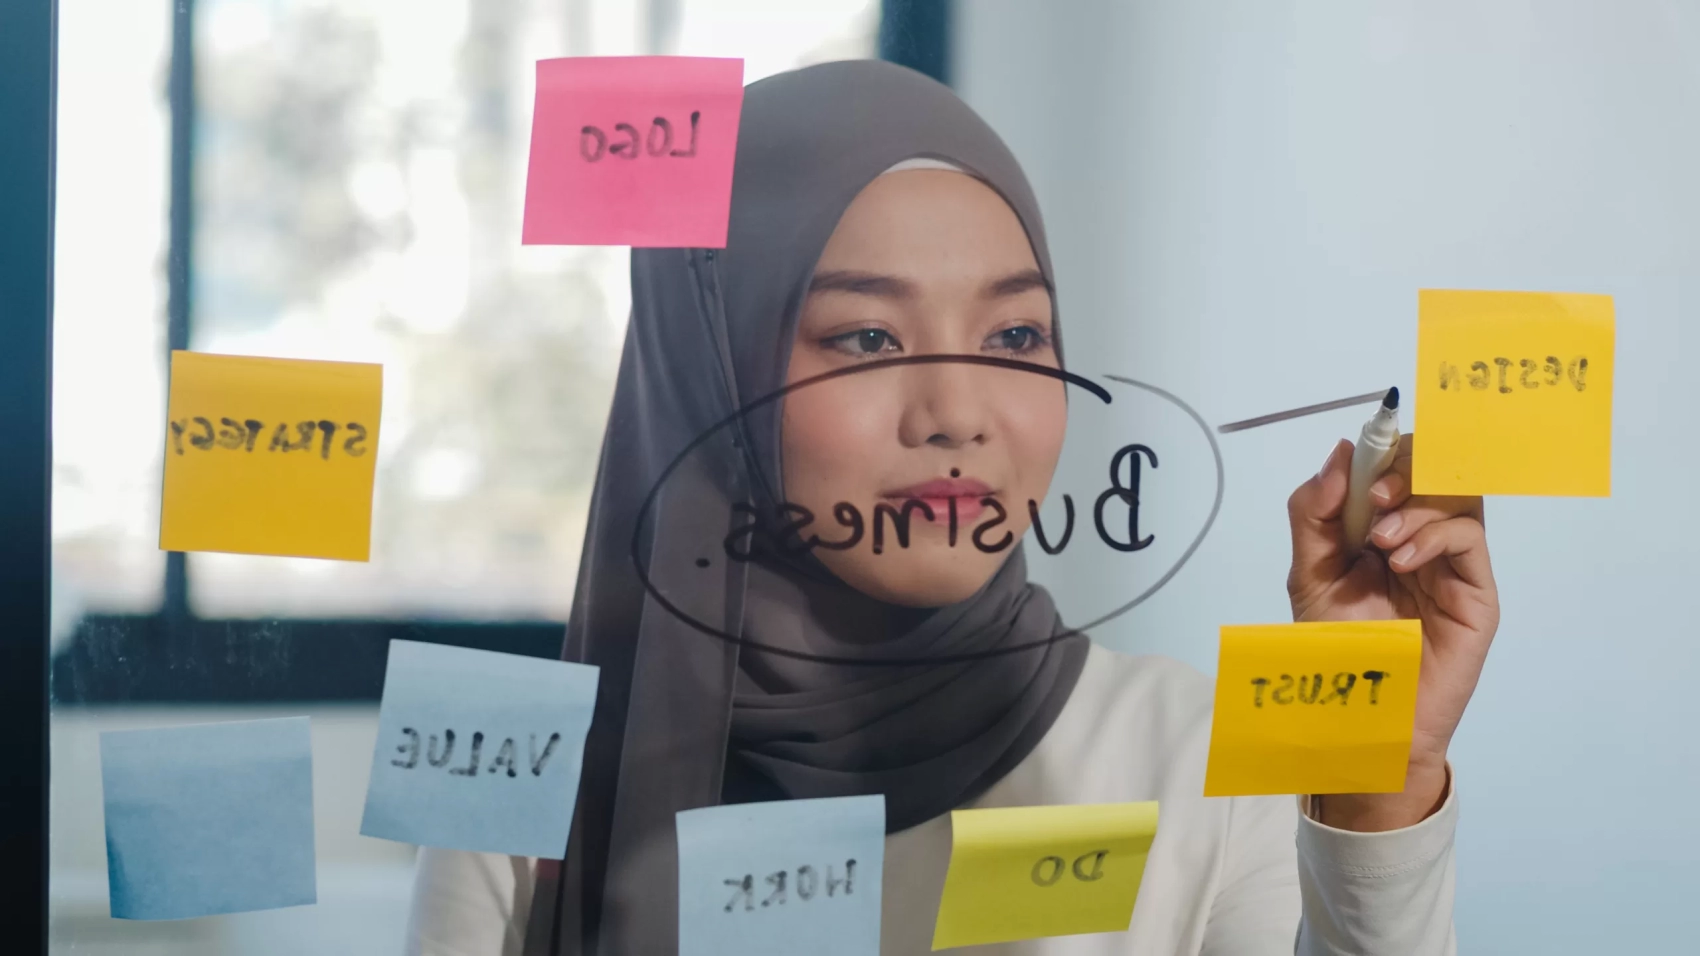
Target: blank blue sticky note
[[776, 879], [209, 818], [478, 750]]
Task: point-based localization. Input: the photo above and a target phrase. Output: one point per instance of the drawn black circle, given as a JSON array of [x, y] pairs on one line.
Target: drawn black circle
[[1067, 377]]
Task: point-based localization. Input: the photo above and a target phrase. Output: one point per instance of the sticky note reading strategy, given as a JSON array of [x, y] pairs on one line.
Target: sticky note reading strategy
[[633, 151], [270, 456], [1513, 394], [208, 818], [1323, 707], [478, 750], [780, 878], [1026, 872]]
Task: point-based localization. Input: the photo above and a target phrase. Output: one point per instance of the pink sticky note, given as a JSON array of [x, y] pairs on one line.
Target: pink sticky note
[[633, 151]]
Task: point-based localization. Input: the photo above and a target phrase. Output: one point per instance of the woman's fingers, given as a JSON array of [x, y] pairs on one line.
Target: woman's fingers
[[1390, 491], [1314, 514], [1396, 527], [1392, 488], [1461, 539]]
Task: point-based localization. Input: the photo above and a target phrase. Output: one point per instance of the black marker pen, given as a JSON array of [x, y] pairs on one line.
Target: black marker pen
[[1371, 457]]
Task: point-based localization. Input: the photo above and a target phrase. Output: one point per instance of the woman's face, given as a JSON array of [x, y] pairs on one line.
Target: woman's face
[[924, 262]]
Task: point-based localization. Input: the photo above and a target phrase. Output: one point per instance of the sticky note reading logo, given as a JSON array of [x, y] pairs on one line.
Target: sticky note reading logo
[[478, 750], [1325, 707], [1026, 872], [270, 456], [633, 151], [774, 879], [1513, 394], [209, 818]]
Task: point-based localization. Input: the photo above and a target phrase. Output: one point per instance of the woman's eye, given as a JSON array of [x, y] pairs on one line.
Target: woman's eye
[[863, 342], [1021, 339]]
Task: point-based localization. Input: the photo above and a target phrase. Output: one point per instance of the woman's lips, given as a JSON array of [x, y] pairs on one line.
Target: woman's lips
[[938, 495]]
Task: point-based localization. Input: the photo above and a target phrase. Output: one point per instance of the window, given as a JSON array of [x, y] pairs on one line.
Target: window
[[346, 182], [109, 306], [353, 174], [360, 170]]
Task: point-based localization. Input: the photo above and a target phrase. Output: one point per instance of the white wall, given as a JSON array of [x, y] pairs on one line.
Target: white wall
[[1243, 197]]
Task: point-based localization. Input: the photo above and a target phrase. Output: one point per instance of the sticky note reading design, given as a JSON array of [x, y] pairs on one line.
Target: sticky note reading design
[[775, 879], [478, 750], [1513, 394], [208, 818], [270, 456], [1026, 872], [633, 151], [1325, 707]]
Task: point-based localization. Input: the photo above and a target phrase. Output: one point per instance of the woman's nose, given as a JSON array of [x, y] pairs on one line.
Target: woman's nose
[[945, 405]]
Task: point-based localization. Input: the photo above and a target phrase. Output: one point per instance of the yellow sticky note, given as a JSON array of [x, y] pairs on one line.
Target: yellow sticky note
[[1513, 393], [1324, 707], [270, 456], [1026, 872]]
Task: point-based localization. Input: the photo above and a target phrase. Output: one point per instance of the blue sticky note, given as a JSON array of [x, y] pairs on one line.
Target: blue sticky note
[[776, 879], [478, 750], [209, 818]]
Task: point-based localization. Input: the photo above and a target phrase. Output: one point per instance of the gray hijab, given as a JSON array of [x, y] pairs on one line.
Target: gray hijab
[[693, 710]]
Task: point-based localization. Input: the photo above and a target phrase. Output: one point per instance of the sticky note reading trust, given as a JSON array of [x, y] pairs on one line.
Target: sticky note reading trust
[[775, 879], [208, 818], [1513, 393], [1026, 872], [633, 151], [270, 456], [1324, 707], [478, 750]]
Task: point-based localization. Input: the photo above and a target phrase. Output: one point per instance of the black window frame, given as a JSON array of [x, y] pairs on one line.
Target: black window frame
[[917, 34], [27, 115]]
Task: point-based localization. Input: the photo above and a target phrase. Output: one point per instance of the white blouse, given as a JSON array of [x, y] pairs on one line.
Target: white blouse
[[1225, 877]]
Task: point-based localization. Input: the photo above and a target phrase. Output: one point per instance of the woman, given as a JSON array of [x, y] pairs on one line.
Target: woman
[[875, 217]]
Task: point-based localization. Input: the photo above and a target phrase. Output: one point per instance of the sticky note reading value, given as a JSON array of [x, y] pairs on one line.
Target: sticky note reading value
[[775, 879], [270, 456], [1513, 393], [1026, 872], [208, 818], [478, 750], [633, 151], [1324, 707]]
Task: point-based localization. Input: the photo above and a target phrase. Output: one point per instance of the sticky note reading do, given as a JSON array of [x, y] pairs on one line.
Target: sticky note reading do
[[270, 456], [1027, 872], [633, 150], [1322, 707], [1514, 394]]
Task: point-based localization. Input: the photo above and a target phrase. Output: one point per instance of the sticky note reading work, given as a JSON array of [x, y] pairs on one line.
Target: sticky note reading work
[[779, 878], [1325, 707], [208, 818], [633, 151], [1513, 393], [1026, 872], [478, 750], [270, 456]]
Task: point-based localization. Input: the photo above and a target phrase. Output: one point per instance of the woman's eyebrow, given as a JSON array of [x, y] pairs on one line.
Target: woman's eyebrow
[[862, 283], [1016, 283]]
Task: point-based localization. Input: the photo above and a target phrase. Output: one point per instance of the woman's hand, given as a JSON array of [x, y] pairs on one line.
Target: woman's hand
[[1426, 558]]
